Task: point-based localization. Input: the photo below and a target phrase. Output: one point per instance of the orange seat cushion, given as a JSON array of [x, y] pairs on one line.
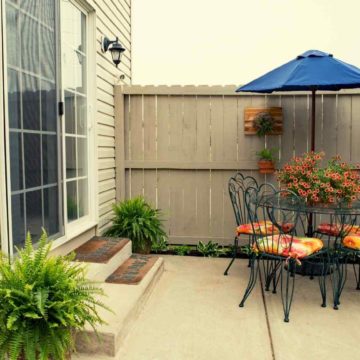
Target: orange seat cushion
[[335, 229], [352, 242], [285, 245], [262, 228]]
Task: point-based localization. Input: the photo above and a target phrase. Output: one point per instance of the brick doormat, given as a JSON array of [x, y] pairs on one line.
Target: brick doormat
[[99, 249], [133, 270]]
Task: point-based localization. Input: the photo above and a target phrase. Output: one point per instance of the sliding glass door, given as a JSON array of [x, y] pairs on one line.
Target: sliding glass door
[[33, 120], [48, 133]]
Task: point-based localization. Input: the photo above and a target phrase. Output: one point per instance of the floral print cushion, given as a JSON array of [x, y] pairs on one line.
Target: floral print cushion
[[352, 242], [335, 229], [285, 245], [262, 228]]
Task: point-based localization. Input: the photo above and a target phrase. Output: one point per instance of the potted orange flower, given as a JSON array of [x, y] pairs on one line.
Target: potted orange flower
[[337, 182]]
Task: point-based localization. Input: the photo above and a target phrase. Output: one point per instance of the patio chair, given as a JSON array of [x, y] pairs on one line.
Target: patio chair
[[346, 246], [237, 186], [345, 235], [277, 244]]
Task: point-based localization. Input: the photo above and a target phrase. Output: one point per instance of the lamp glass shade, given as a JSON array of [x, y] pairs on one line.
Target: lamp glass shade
[[116, 51]]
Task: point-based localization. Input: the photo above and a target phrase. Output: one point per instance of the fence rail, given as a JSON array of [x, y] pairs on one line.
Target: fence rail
[[178, 146]]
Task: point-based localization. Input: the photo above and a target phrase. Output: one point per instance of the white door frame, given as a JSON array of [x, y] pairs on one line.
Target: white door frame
[[5, 193], [5, 200]]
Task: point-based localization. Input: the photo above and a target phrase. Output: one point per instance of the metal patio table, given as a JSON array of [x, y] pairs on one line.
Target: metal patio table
[[337, 213]]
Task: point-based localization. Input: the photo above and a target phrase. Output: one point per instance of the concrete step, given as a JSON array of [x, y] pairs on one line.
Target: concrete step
[[103, 256], [126, 301]]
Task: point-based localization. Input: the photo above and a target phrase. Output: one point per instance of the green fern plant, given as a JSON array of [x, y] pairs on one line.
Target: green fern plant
[[160, 245], [44, 301], [137, 220], [264, 123], [211, 249]]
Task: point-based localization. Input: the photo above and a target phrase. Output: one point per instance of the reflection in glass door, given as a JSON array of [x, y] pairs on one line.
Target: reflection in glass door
[[33, 119], [74, 64]]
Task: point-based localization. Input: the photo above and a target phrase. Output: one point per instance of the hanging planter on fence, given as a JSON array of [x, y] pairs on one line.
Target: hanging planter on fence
[[271, 117]]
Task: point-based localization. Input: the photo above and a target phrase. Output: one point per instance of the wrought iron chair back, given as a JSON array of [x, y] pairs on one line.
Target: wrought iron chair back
[[272, 226], [237, 186]]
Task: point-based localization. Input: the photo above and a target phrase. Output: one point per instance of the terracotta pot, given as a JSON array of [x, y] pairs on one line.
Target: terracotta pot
[[266, 166]]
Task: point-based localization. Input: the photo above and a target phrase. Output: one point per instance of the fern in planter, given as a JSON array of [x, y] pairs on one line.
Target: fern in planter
[[44, 301], [137, 220], [264, 123]]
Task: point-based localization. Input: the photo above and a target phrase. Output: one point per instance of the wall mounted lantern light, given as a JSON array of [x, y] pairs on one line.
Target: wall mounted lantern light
[[114, 47]]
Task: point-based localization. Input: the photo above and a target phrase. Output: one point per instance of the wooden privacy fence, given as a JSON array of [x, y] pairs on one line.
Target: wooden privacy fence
[[178, 146]]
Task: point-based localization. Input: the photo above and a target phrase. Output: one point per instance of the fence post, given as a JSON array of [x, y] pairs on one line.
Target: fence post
[[119, 144]]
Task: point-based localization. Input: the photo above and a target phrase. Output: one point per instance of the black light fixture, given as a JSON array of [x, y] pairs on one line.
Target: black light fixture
[[114, 47]]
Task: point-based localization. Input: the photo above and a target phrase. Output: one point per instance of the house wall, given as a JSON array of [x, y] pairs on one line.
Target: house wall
[[112, 18], [178, 146]]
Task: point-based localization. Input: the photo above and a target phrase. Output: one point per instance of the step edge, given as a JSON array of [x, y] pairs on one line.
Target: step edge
[[100, 271], [117, 334], [137, 309]]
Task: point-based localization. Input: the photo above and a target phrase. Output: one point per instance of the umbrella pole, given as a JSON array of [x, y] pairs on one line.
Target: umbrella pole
[[310, 229], [313, 104]]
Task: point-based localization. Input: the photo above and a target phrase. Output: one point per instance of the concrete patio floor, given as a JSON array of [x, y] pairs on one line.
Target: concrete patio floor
[[193, 313]]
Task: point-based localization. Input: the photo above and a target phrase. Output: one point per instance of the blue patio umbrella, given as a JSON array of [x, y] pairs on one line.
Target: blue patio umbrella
[[311, 71]]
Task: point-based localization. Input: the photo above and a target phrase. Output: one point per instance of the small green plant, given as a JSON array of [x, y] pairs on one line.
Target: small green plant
[[44, 300], [137, 220], [266, 154], [160, 245], [181, 250], [246, 249], [264, 123], [211, 249]]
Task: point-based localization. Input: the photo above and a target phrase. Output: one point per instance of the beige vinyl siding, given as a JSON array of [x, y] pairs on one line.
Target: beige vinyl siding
[[113, 18]]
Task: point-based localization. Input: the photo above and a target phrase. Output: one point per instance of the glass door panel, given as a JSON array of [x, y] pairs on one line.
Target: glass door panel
[[34, 136], [73, 45]]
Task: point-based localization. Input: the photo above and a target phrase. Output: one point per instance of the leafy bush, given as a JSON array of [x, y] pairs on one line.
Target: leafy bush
[[160, 245], [44, 300], [181, 250], [211, 249], [137, 220]]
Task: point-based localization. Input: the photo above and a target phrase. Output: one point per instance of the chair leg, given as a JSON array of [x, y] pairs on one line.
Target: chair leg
[[254, 272], [339, 279], [357, 273], [268, 268], [270, 272], [322, 280], [287, 281], [276, 278], [236, 243], [249, 262]]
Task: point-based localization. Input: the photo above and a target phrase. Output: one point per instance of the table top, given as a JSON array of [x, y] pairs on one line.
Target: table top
[[288, 203]]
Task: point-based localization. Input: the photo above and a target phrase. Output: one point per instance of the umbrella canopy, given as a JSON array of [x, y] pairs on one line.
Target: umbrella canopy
[[313, 70]]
